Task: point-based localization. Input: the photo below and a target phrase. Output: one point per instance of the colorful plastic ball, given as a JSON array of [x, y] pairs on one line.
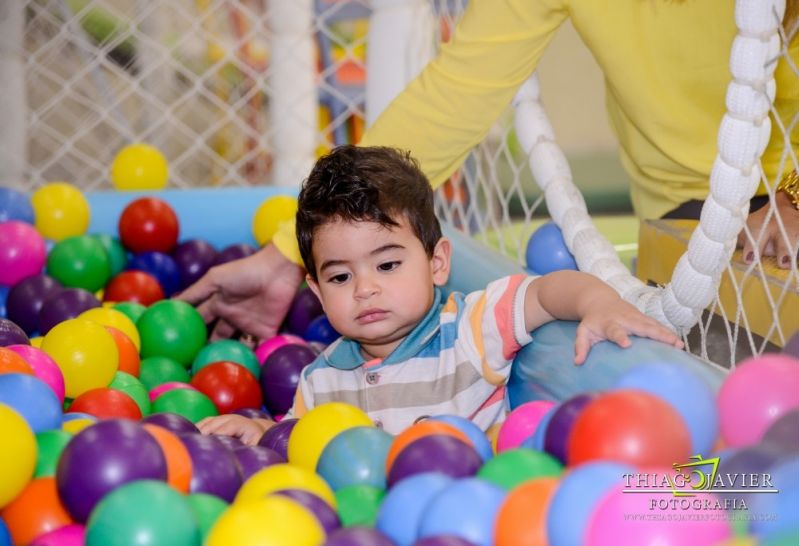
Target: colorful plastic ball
[[130, 385], [419, 430], [234, 252], [521, 423], [435, 453], [556, 441], [252, 413], [158, 370], [228, 350], [780, 506], [574, 501], [466, 508], [304, 308], [103, 457], [115, 319], [117, 255], [129, 360], [172, 422], [755, 394], [139, 166], [33, 399], [159, 265], [5, 536], [320, 330], [522, 518], [318, 427], [65, 304], [3, 297], [134, 286], [792, 347], [11, 334], [145, 508], [511, 468], [80, 262], [11, 362], [547, 252], [18, 456], [443, 540], [207, 509], [357, 536], [173, 329], [321, 510], [85, 352], [356, 456], [358, 504], [178, 460], [43, 367], [68, 535], [270, 521], [280, 376], [191, 404], [148, 224], [783, 433], [22, 252], [405, 504], [106, 403], [279, 477], [475, 434], [277, 437], [15, 205], [157, 391], [49, 444], [35, 511], [269, 346], [61, 211], [25, 300], [251, 459], [193, 258], [629, 426], [270, 215], [229, 385], [130, 309], [76, 422]]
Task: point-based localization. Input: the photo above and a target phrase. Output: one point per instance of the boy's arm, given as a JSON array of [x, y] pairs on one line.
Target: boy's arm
[[572, 295]]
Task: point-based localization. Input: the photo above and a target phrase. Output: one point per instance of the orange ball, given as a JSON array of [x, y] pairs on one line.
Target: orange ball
[[129, 359], [522, 518], [11, 362], [420, 430], [178, 460], [35, 511], [106, 403]]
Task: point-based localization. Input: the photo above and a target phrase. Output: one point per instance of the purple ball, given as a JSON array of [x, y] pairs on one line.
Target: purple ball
[[448, 540], [792, 347], [280, 376], [304, 308], [26, 298], [277, 437], [323, 512], [11, 334], [435, 453], [64, 305], [560, 425], [251, 459], [252, 413], [159, 265], [783, 434], [193, 258], [357, 536], [173, 422], [213, 467], [230, 442], [755, 459], [101, 458], [234, 252]]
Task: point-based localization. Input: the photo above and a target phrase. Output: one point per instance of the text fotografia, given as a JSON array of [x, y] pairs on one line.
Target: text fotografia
[[698, 485]]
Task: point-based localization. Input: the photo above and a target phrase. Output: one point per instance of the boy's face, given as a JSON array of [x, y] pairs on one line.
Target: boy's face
[[375, 283]]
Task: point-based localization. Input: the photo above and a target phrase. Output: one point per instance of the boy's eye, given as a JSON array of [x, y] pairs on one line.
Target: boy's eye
[[340, 278], [389, 266]]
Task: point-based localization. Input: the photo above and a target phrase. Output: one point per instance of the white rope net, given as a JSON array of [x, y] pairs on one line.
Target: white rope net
[[248, 92]]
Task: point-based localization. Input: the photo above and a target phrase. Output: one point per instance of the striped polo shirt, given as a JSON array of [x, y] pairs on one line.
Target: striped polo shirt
[[456, 361]]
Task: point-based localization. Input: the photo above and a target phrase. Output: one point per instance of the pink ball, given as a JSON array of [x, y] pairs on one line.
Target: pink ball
[[521, 424], [158, 390], [69, 535], [22, 252], [43, 366], [757, 392], [272, 344], [614, 520]]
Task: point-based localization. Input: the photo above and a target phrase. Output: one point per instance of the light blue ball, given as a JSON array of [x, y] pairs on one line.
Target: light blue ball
[[780, 509], [478, 438], [15, 205], [547, 251], [33, 399], [406, 503], [356, 456]]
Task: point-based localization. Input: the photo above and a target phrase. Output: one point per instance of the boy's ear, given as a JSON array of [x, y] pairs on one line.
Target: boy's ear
[[441, 261], [314, 286]]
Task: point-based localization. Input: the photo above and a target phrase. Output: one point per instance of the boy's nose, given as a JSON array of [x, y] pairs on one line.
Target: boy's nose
[[366, 287]]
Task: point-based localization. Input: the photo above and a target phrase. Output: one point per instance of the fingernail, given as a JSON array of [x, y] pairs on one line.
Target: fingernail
[[749, 256]]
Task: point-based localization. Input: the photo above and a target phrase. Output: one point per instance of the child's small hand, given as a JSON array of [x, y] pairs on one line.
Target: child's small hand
[[249, 431], [614, 320]]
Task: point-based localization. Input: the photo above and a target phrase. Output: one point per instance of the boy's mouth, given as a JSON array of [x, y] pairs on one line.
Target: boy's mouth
[[371, 315]]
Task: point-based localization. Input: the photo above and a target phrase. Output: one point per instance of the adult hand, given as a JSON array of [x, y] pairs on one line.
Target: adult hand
[[251, 295], [766, 238]]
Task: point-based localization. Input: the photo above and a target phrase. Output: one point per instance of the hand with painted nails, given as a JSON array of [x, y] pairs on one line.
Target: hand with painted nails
[[772, 232]]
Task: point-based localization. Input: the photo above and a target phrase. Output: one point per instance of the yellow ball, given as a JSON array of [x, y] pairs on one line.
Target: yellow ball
[[115, 319], [139, 167], [37, 341], [317, 427], [18, 455], [86, 353], [60, 210], [273, 521], [284, 476], [74, 426], [270, 214]]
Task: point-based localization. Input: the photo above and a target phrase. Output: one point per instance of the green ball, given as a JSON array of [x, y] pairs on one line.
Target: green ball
[[191, 404], [207, 509], [358, 505], [158, 370], [145, 512], [173, 329], [80, 262], [131, 309], [117, 256], [230, 350], [50, 444], [134, 388], [510, 468]]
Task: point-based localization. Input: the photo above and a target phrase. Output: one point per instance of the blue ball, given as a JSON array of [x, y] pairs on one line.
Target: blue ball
[[3, 297], [686, 392], [5, 535], [547, 252], [356, 456], [33, 399], [159, 265], [321, 330], [779, 506], [15, 205], [577, 497], [467, 508], [478, 438], [405, 504]]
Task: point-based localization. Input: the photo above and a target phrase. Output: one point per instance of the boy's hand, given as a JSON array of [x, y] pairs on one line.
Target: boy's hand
[[249, 431], [614, 319]]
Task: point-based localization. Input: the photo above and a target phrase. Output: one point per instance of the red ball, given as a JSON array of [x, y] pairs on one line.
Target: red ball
[[230, 386], [148, 224], [106, 403], [136, 286]]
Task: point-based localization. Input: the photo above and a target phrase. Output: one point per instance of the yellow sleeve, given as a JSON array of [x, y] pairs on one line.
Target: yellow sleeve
[[786, 105], [285, 240], [449, 108]]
